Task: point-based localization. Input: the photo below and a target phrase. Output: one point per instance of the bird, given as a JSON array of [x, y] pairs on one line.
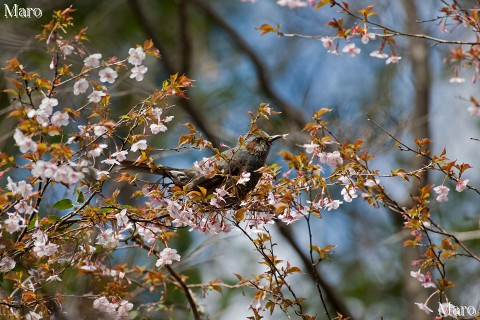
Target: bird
[[221, 170]]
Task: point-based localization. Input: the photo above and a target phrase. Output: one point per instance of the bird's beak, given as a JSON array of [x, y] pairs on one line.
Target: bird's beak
[[278, 136]]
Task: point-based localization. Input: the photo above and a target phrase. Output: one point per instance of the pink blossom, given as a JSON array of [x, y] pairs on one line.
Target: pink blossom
[[136, 56], [351, 49], [92, 60], [99, 130], [67, 49], [292, 4], [456, 80], [138, 72], [370, 183], [310, 147], [139, 145], [474, 111], [6, 264], [378, 54], [205, 167], [424, 307], [108, 239], [96, 152], [60, 119], [366, 37], [244, 178], [80, 86], [167, 256], [124, 308], [461, 185], [21, 188], [330, 204], [23, 207], [156, 128], [123, 220], [14, 222], [120, 155], [42, 247], [24, 143], [96, 96], [108, 75], [47, 105], [349, 193], [393, 59], [33, 316], [442, 192], [103, 305]]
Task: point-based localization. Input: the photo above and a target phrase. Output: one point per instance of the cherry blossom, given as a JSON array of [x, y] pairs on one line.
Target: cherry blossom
[[424, 307], [351, 49], [456, 80], [393, 59], [33, 316], [167, 256], [14, 222], [136, 56], [205, 167], [139, 145], [378, 54], [461, 185], [122, 220], [292, 4], [25, 143], [96, 96], [349, 193], [103, 305], [108, 75], [21, 188], [244, 178], [99, 130], [474, 111], [93, 60], [96, 152], [80, 86], [310, 147], [67, 49], [108, 239], [120, 155], [330, 204], [60, 119], [442, 192], [6, 264], [370, 183], [138, 72], [48, 104], [42, 247], [124, 308]]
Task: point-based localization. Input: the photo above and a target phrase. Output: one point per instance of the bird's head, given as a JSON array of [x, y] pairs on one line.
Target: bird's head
[[259, 142]]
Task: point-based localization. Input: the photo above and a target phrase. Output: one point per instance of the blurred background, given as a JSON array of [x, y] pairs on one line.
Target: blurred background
[[235, 69]]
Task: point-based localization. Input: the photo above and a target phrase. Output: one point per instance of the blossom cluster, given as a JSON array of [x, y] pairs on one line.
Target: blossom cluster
[[119, 310]]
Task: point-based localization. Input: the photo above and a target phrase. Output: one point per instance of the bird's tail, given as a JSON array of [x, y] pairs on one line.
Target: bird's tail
[[128, 165]]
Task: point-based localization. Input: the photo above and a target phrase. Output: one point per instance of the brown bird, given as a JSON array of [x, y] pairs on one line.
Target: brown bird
[[218, 171]]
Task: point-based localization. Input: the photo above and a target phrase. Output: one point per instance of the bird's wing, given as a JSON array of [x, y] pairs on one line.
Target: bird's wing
[[226, 168]]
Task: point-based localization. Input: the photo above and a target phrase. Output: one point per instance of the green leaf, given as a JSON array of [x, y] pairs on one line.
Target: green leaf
[[63, 204], [80, 196]]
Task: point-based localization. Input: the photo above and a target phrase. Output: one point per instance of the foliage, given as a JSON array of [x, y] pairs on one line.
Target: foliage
[[47, 243]]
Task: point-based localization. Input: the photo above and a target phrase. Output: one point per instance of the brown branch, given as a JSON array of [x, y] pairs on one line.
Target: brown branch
[[332, 296], [181, 283], [186, 104], [291, 113], [411, 34]]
